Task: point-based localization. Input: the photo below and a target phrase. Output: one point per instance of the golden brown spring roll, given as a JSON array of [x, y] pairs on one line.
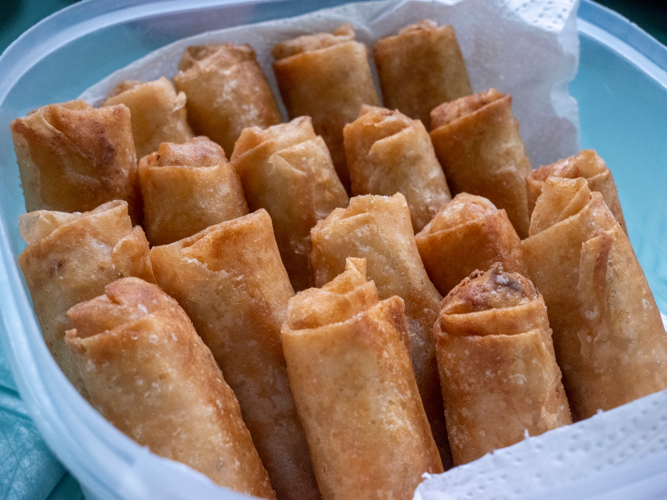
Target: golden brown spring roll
[[350, 372], [609, 338], [287, 170], [469, 234], [326, 76], [477, 141], [70, 258], [497, 365], [586, 164], [149, 373], [186, 188], [389, 153], [73, 157], [227, 91], [232, 284], [158, 113], [379, 229], [420, 68]]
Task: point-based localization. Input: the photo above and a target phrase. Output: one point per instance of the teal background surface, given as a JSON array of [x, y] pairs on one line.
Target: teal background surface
[[628, 102]]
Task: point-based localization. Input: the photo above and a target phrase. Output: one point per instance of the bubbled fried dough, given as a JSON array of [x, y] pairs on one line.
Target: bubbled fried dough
[[328, 77], [477, 141], [378, 228], [149, 373], [70, 258], [388, 153], [420, 68], [226, 91], [231, 282], [73, 157], [349, 366], [187, 188], [607, 328], [287, 170], [468, 234], [157, 112], [586, 164], [497, 366]]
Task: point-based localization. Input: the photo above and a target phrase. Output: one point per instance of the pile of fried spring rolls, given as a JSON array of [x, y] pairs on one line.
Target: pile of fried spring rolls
[[198, 347]]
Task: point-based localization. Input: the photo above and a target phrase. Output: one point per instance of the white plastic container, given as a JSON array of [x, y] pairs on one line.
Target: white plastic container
[[622, 93]]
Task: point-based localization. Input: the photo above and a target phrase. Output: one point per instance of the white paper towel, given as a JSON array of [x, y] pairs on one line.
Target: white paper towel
[[526, 48]]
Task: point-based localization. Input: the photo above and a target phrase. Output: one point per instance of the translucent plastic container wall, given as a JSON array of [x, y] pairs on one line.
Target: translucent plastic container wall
[[622, 92]]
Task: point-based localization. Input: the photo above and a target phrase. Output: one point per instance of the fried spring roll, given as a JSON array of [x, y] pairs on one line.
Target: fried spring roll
[[389, 153], [379, 229], [477, 141], [420, 68], [158, 113], [287, 170], [232, 284], [70, 258], [326, 76], [469, 234], [497, 365], [350, 372], [73, 157], [586, 164], [186, 188], [609, 338], [226, 91], [149, 373]]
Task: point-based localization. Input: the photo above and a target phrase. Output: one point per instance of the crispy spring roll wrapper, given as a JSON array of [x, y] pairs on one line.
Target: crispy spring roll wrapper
[[350, 371], [497, 364], [379, 229], [70, 258], [326, 76], [586, 164], [73, 157], [232, 284], [226, 91], [389, 153], [477, 141], [187, 188], [158, 113], [149, 373], [287, 170], [470, 233], [420, 68], [609, 338]]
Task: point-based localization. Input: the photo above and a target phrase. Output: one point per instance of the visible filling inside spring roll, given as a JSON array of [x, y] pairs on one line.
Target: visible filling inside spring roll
[[497, 366], [70, 258], [469, 234]]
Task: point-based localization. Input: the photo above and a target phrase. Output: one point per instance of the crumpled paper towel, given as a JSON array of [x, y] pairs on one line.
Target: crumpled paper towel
[[527, 48]]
